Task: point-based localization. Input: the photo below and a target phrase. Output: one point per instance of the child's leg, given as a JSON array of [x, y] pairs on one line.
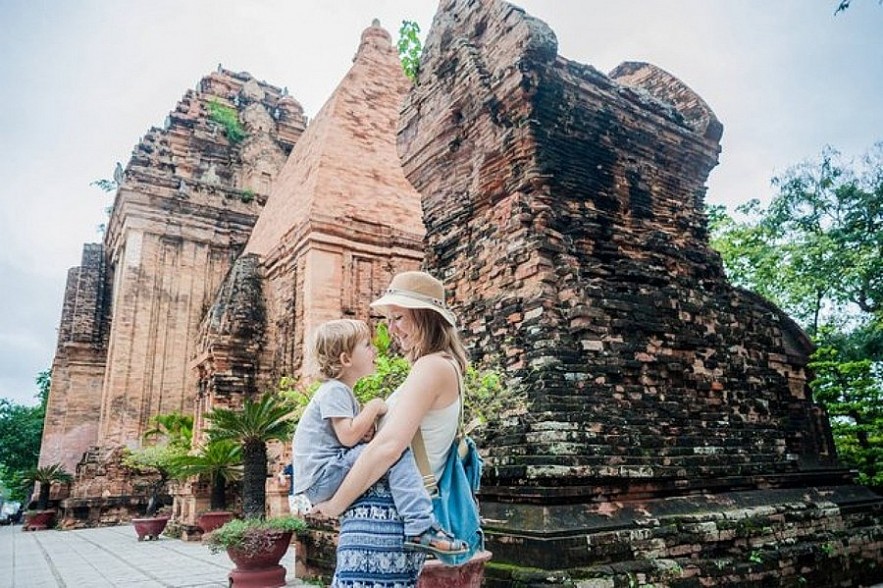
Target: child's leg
[[410, 496], [333, 474]]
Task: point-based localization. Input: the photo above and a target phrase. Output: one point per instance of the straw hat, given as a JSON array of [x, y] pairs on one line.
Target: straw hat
[[415, 290]]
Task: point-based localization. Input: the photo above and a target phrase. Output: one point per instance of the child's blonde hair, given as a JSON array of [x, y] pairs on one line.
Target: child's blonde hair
[[334, 338]]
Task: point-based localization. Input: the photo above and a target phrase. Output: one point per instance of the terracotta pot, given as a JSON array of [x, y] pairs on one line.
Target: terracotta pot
[[468, 575], [150, 528], [260, 570], [39, 520], [209, 521]]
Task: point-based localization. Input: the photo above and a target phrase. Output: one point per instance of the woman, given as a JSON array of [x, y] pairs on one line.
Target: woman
[[370, 548]]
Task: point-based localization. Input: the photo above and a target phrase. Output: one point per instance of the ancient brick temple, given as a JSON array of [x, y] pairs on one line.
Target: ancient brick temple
[[184, 208], [661, 429], [169, 314]]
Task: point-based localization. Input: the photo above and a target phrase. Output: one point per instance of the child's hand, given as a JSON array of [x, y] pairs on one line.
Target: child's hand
[[369, 434], [378, 405]]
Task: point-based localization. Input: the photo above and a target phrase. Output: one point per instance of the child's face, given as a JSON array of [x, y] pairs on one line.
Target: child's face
[[362, 361]]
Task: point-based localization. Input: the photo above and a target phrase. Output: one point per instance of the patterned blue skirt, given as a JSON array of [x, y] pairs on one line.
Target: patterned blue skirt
[[370, 551]]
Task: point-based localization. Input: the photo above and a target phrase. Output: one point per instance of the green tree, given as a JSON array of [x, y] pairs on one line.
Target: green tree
[[409, 47], [269, 418], [817, 252], [21, 432], [221, 461], [817, 249], [172, 434], [852, 392], [45, 476]]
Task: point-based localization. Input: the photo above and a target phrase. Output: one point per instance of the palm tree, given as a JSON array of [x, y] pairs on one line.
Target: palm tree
[[267, 419], [221, 461], [45, 476]]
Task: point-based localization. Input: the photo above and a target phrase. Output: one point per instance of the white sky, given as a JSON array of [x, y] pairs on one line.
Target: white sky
[[81, 82]]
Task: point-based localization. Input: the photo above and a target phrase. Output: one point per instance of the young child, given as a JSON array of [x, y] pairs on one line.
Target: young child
[[332, 430]]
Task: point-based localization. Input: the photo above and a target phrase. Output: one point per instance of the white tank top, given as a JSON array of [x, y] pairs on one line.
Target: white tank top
[[439, 427]]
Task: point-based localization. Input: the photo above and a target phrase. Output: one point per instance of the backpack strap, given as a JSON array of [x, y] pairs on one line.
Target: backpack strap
[[418, 446]]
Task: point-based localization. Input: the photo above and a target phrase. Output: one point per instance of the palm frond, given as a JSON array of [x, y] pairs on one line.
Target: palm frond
[[266, 419]]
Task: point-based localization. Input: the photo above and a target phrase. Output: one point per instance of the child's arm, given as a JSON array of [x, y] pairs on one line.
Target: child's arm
[[350, 431]]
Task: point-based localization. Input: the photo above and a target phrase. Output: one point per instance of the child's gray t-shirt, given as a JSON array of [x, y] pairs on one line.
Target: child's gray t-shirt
[[314, 440]]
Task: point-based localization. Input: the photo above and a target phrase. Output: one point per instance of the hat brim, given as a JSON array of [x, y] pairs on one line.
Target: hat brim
[[383, 303]]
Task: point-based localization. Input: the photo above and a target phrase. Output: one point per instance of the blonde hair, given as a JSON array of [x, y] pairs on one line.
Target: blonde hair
[[434, 334], [334, 338]]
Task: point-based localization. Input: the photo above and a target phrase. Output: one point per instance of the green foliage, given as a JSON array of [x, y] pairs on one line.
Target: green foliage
[[21, 432], [485, 396], [266, 419], [391, 370], [105, 185], [269, 418], [228, 118], [409, 47], [254, 535], [852, 394], [173, 433], [44, 383], [175, 427], [45, 476], [842, 5], [221, 461], [817, 252], [247, 196]]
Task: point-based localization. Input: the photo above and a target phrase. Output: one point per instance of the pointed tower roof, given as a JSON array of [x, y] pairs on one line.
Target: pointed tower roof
[[346, 166]]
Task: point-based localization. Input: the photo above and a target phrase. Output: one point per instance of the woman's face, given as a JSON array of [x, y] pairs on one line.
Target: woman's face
[[401, 326]]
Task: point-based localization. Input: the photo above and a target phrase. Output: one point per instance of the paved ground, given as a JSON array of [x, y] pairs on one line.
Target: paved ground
[[110, 556]]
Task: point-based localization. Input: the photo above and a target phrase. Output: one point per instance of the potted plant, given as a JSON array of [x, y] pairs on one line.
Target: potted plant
[[159, 461], [221, 461], [255, 545], [42, 518]]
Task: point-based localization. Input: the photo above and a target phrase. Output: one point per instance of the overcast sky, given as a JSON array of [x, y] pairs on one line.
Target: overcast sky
[[82, 81]]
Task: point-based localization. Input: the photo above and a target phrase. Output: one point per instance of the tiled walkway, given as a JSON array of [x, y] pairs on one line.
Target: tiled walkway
[[111, 556]]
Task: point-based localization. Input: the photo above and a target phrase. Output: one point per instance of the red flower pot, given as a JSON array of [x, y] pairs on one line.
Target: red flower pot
[[261, 569], [468, 575], [150, 528], [39, 520], [209, 521]]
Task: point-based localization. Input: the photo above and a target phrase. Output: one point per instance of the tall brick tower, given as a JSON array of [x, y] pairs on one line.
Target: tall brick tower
[[184, 208], [660, 427], [342, 218]]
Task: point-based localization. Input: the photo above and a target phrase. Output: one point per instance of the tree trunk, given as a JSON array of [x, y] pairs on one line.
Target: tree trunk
[[254, 479], [219, 493], [43, 499]]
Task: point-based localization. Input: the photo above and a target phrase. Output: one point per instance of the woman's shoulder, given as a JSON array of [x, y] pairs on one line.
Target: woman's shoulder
[[435, 362]]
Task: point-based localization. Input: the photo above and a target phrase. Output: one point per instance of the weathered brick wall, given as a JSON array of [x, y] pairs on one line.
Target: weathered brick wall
[[564, 208], [659, 428], [187, 203], [70, 426]]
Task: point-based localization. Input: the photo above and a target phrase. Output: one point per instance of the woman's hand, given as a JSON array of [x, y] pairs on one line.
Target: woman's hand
[[326, 509]]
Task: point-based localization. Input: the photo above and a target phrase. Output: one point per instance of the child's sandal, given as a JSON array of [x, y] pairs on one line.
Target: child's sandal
[[433, 540]]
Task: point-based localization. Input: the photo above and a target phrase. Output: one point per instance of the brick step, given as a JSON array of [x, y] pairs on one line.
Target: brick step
[[576, 453]]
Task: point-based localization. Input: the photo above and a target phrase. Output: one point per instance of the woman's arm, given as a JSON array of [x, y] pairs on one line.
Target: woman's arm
[[430, 384], [352, 430]]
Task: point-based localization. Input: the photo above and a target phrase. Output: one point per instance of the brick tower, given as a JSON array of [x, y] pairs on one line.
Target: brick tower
[[659, 419]]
